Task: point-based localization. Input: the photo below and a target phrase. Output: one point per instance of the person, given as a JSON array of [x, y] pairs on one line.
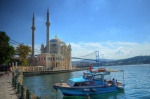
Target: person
[[105, 83], [114, 82]]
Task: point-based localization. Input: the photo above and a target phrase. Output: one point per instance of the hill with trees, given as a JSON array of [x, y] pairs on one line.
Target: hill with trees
[[128, 61]]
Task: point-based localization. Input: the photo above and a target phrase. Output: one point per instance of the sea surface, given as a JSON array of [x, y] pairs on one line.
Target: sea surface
[[136, 78]]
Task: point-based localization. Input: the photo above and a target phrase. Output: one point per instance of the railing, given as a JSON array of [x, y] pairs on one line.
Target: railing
[[23, 91], [33, 68], [28, 68]]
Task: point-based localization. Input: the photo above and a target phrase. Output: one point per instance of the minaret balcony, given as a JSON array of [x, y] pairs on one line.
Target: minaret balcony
[[33, 28], [47, 23]]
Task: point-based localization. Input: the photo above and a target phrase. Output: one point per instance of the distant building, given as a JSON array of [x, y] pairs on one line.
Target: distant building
[[55, 55]]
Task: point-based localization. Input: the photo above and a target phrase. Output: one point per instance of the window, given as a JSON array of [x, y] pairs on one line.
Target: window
[[98, 77], [48, 58], [87, 76]]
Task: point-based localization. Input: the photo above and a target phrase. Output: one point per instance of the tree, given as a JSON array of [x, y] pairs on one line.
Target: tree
[[6, 50], [23, 52]]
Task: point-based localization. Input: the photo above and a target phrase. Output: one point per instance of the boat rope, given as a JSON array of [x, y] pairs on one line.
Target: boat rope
[[123, 78]]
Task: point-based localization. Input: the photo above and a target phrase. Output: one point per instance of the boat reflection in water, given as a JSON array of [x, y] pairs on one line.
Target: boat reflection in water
[[113, 95]]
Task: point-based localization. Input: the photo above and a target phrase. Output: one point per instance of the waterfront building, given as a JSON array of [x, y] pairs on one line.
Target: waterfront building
[[59, 56], [56, 54]]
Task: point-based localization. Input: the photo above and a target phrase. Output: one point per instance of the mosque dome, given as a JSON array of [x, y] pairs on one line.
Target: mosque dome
[[56, 40]]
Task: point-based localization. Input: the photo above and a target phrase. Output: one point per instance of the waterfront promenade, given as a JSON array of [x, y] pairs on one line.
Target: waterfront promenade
[[6, 89]]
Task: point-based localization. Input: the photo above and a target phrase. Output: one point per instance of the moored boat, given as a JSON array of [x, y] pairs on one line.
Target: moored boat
[[92, 82]]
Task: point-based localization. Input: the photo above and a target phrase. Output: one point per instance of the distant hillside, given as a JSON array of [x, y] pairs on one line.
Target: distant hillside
[[129, 61], [110, 62]]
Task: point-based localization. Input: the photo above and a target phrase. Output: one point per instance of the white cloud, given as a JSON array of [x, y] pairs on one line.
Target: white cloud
[[111, 50], [119, 52], [40, 19], [108, 50], [37, 48]]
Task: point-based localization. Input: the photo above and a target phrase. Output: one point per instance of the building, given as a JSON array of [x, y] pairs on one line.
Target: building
[[59, 56], [56, 54]]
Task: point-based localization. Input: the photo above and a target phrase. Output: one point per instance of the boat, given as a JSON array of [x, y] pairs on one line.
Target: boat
[[92, 82]]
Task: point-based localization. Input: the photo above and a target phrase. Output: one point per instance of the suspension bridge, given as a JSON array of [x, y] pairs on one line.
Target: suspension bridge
[[86, 60], [94, 56]]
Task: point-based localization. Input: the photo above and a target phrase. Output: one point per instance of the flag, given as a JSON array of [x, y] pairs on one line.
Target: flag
[[90, 69]]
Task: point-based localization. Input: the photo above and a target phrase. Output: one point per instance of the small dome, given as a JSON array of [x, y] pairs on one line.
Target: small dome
[[42, 44]]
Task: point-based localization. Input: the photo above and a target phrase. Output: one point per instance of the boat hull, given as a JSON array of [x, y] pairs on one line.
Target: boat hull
[[81, 91]]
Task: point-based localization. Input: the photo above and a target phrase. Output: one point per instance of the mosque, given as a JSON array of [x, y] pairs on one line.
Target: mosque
[[56, 54]]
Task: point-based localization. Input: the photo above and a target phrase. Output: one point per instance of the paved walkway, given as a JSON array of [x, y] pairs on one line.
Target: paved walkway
[[6, 89]]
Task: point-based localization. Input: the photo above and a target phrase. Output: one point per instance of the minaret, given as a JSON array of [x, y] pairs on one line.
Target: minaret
[[33, 29], [47, 33]]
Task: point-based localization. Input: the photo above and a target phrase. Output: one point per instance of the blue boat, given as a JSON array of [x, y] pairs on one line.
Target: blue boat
[[91, 83]]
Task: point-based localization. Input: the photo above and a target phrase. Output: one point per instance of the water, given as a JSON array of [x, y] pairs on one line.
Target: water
[[137, 80]]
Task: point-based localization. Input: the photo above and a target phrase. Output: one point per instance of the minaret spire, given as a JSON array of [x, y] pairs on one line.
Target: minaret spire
[[47, 33], [33, 29]]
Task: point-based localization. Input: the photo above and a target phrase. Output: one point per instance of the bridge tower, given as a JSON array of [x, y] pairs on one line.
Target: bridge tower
[[97, 57]]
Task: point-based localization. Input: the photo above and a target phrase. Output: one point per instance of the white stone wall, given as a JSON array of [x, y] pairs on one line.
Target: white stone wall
[[59, 56]]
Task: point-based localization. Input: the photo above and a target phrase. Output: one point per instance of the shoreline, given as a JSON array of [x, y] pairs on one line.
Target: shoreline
[[51, 72]]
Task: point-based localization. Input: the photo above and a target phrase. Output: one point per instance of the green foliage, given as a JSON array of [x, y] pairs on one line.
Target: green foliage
[[23, 52], [6, 50]]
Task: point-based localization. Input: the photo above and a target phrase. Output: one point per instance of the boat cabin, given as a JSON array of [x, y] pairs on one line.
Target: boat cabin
[[88, 79]]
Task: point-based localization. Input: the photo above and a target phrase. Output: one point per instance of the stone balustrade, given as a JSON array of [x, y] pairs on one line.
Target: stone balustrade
[[17, 82], [28, 68]]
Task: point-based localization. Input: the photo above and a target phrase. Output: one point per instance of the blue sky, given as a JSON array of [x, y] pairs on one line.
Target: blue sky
[[117, 28]]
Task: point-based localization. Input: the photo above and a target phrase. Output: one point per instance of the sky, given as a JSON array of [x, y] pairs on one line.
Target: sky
[[118, 29]]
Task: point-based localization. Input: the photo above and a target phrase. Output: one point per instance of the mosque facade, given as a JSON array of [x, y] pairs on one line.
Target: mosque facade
[[56, 54]]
